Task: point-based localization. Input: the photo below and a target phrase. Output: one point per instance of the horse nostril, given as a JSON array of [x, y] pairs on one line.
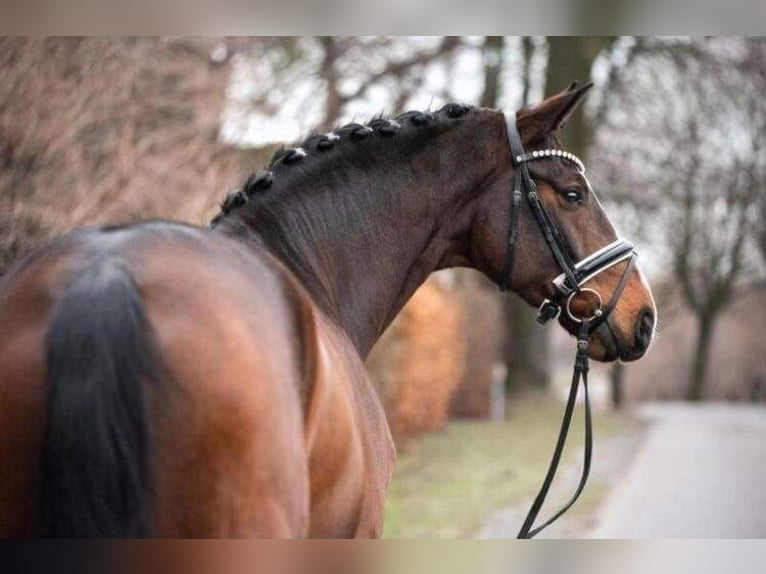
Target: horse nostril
[[644, 329]]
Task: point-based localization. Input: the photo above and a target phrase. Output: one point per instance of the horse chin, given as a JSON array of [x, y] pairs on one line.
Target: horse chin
[[603, 345]]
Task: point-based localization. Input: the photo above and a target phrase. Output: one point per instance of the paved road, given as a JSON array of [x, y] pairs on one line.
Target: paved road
[[701, 473]]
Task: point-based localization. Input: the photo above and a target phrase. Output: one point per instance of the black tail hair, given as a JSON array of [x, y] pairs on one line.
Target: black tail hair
[[95, 475]]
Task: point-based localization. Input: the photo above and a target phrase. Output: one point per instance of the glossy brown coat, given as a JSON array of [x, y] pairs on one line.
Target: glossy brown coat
[[266, 423]]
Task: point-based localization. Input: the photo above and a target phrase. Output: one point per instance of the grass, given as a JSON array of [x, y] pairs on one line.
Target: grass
[[446, 484]]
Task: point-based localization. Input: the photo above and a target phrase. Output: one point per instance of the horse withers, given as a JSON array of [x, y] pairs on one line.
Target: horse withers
[[158, 379]]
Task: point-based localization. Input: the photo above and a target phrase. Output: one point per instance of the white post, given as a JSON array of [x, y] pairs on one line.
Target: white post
[[497, 392]]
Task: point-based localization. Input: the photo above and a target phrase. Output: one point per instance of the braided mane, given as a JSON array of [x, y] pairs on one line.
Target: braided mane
[[261, 181]]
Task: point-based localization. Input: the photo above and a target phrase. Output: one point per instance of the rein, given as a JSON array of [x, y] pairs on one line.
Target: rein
[[568, 284]]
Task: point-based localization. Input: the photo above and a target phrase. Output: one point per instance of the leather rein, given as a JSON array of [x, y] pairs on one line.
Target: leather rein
[[568, 285]]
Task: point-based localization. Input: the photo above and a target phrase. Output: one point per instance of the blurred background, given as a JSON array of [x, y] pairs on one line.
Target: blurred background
[[98, 129]]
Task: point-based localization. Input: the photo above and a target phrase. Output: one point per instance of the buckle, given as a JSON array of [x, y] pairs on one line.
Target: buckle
[[547, 311]]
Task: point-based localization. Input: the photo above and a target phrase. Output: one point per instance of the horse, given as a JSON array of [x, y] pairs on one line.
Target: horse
[[163, 380]]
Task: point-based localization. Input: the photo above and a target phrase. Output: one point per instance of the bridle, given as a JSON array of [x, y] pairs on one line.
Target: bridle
[[568, 285], [574, 275]]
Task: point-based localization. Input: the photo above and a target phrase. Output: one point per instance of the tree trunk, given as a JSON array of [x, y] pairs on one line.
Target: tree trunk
[[525, 351], [695, 390], [570, 59], [329, 74], [527, 347], [617, 380], [493, 63]]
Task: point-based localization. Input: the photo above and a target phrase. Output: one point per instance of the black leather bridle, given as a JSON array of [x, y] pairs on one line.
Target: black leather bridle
[[568, 285]]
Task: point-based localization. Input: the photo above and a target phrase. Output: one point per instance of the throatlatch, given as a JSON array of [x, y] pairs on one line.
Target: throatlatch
[[569, 284]]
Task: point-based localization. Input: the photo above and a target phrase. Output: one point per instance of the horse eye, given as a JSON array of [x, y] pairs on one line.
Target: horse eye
[[573, 195]]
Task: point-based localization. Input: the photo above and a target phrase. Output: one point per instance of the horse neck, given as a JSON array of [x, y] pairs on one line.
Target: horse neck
[[363, 234]]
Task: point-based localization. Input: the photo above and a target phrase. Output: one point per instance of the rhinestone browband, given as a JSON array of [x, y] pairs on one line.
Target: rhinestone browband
[[546, 153]]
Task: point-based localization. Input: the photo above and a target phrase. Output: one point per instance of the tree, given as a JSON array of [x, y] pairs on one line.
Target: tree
[[689, 161], [569, 59], [321, 80], [101, 129], [404, 71]]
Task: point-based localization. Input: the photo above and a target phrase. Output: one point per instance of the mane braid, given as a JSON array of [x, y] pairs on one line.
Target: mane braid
[[259, 182]]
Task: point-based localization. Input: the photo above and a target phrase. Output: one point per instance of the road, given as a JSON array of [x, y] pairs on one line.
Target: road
[[701, 473]]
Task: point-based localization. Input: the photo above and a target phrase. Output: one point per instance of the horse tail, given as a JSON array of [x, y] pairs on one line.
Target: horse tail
[[95, 474]]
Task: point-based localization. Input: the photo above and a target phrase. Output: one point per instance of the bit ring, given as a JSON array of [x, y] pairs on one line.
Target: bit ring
[[597, 313]]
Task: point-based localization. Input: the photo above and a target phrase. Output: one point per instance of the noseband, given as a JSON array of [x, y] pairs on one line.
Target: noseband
[[567, 286]]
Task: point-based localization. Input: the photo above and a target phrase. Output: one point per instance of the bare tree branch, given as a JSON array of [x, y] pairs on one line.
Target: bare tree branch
[[396, 68]]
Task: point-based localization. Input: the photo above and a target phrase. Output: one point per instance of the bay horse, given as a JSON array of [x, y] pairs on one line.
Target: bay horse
[[159, 379]]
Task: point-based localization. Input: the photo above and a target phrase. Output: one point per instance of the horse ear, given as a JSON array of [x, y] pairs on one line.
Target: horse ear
[[551, 115]]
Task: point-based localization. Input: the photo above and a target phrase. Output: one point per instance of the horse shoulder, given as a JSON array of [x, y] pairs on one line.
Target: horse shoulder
[[351, 453]]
